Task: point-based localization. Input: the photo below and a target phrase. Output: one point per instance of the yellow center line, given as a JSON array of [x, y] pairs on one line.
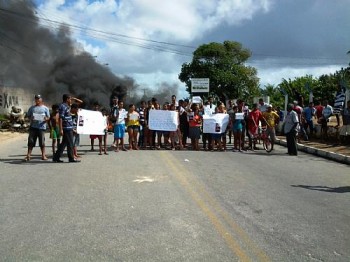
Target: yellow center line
[[204, 197], [220, 227]]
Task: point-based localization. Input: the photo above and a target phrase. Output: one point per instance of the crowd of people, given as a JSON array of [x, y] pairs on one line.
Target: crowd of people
[[243, 127]]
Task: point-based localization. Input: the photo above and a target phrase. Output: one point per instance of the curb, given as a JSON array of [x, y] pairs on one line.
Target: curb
[[319, 152]]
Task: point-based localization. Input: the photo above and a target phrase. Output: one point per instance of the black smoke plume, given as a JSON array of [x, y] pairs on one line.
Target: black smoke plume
[[44, 59]]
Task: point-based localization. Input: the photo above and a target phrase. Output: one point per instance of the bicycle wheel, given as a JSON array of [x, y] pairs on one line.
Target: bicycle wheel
[[267, 144]]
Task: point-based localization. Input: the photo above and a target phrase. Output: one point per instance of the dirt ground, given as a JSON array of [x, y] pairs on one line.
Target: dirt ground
[[7, 136]]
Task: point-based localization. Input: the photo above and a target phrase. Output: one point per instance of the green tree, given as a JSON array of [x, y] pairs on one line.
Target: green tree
[[297, 89], [276, 96], [224, 65]]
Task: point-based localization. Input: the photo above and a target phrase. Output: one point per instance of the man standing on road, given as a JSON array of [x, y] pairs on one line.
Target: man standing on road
[[66, 130], [308, 114], [345, 129], [272, 120], [326, 114], [114, 115], [290, 129], [38, 115], [262, 106]]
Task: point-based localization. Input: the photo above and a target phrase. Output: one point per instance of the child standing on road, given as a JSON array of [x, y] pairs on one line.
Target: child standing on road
[[195, 122], [54, 127], [237, 128]]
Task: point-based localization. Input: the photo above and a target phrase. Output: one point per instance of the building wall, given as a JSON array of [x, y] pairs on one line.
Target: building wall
[[14, 96]]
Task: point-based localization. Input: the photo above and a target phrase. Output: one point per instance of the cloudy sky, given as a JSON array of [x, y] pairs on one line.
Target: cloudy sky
[[150, 39]]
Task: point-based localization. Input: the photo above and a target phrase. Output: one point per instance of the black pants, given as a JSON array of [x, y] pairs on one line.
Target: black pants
[[292, 143], [67, 140], [184, 132], [141, 136]]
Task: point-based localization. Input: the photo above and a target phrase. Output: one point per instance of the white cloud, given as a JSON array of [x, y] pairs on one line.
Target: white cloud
[[182, 21], [275, 75]]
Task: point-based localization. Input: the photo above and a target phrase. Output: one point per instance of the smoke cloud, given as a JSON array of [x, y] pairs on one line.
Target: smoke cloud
[[48, 61]]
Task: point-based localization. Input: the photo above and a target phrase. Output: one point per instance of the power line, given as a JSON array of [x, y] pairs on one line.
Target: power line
[[109, 36], [146, 43]]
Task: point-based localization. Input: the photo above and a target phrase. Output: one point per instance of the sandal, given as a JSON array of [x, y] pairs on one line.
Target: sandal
[[26, 159], [44, 158]]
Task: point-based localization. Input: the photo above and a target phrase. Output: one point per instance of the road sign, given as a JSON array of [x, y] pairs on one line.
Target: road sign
[[200, 85]]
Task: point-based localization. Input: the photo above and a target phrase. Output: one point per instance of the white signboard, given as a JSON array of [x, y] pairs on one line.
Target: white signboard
[[239, 116], [39, 117], [90, 122], [215, 124], [163, 120], [209, 111], [197, 100], [200, 85]]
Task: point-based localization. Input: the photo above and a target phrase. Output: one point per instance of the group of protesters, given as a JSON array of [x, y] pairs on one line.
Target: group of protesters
[[243, 123]]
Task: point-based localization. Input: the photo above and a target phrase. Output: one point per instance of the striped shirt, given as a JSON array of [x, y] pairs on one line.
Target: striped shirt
[[339, 103], [65, 115]]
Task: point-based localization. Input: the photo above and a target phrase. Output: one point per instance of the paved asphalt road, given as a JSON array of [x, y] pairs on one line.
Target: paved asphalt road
[[173, 206]]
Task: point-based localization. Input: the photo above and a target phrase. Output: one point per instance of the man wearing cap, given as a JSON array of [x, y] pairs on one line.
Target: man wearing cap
[[291, 123], [38, 115], [66, 130]]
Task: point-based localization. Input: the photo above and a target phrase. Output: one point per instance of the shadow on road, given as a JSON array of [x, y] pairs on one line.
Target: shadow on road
[[343, 189], [33, 161]]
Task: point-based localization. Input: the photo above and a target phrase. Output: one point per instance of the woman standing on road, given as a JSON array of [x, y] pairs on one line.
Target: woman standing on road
[[195, 122], [133, 125]]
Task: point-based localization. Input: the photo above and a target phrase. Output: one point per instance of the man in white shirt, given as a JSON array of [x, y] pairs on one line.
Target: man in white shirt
[[262, 105], [291, 123]]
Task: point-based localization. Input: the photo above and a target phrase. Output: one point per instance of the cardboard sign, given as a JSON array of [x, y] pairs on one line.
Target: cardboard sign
[[91, 122], [163, 120], [215, 124]]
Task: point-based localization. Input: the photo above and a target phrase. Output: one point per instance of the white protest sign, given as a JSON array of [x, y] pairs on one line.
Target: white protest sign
[[239, 116], [197, 100], [122, 114], [90, 123], [200, 85], [163, 120], [39, 117], [208, 111], [215, 124]]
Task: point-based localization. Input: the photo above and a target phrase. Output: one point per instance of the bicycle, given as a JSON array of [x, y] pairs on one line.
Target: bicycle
[[267, 142], [262, 136]]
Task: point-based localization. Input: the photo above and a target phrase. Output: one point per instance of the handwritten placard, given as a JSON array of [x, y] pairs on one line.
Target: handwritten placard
[[215, 124], [163, 120]]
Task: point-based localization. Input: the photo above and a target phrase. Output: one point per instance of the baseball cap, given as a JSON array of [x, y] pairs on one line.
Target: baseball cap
[[37, 96]]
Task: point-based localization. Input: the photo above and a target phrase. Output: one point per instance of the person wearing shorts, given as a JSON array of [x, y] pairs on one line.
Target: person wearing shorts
[[133, 126], [119, 127], [38, 115]]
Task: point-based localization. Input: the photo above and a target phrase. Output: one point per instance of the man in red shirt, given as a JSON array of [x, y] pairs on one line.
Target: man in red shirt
[[319, 109]]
